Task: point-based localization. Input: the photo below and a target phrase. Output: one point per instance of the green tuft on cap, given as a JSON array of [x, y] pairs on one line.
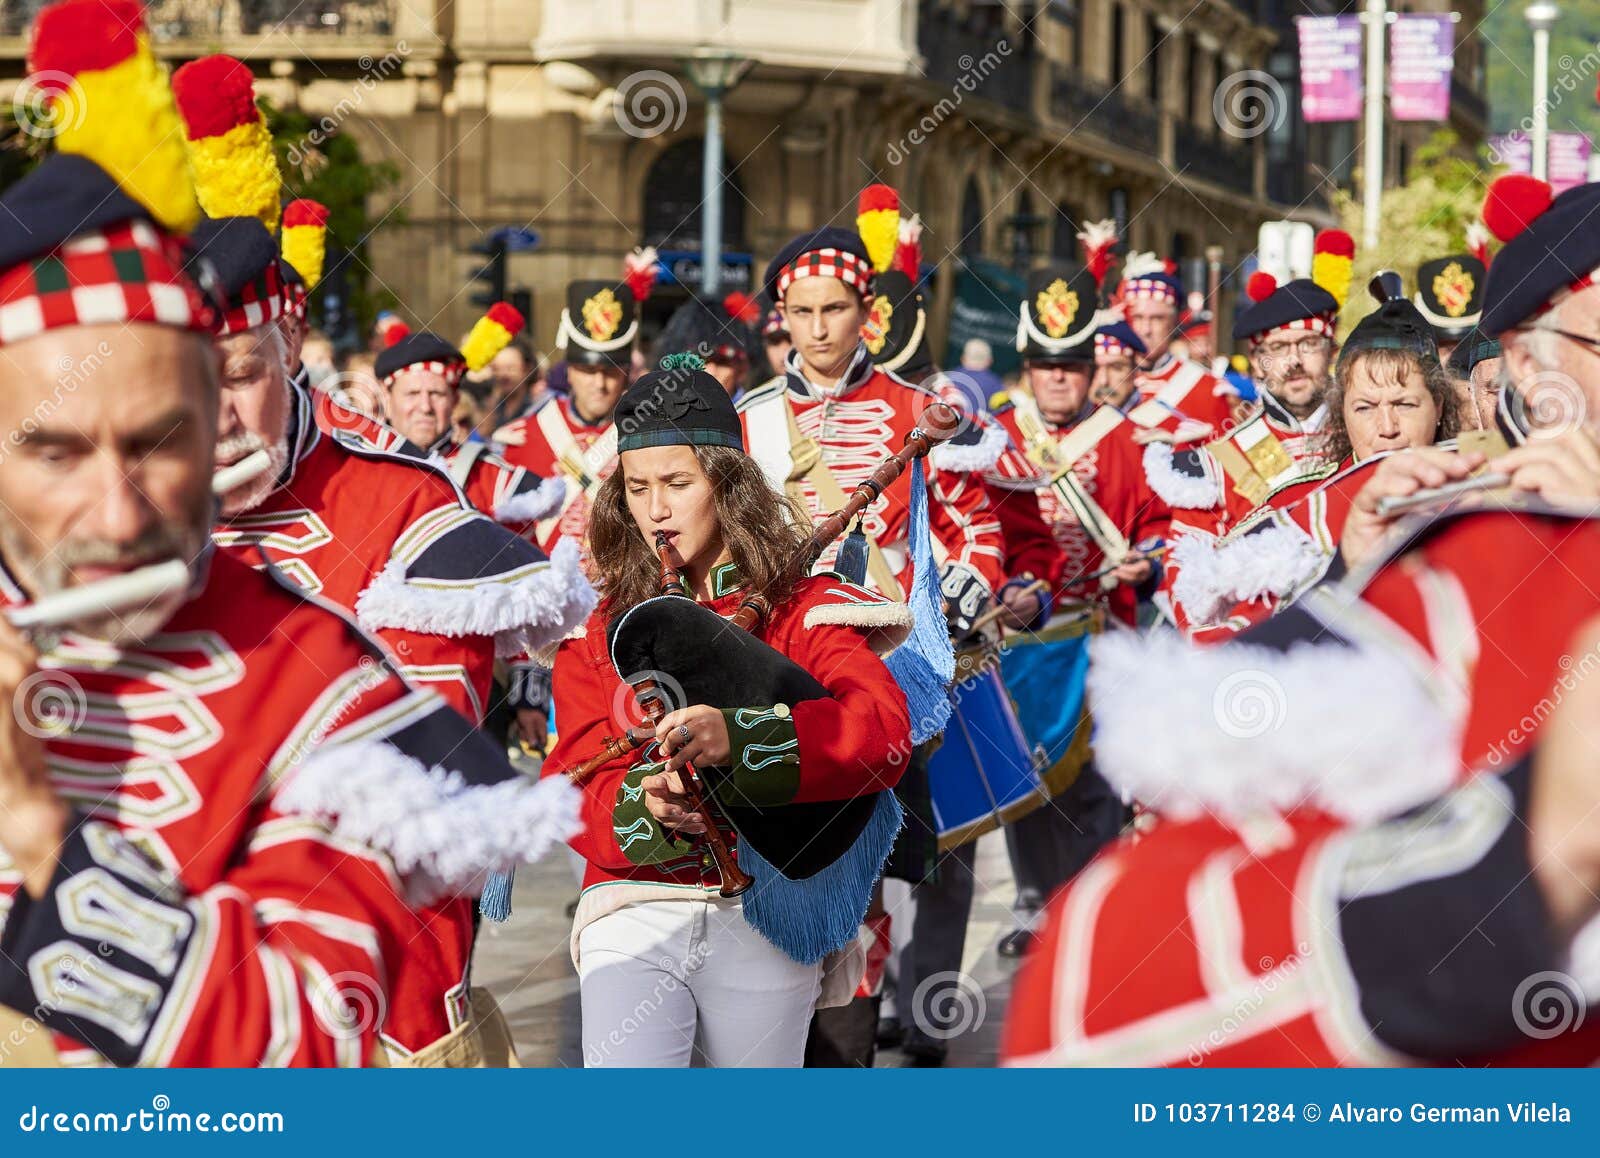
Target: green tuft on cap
[[683, 362]]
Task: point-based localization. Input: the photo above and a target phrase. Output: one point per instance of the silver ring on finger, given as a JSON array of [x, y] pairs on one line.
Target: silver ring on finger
[[684, 735]]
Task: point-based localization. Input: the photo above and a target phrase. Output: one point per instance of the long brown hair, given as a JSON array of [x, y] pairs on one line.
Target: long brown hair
[[765, 533], [1388, 367]]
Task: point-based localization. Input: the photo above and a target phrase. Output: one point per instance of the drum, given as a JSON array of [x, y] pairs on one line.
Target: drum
[[1044, 672], [983, 774]]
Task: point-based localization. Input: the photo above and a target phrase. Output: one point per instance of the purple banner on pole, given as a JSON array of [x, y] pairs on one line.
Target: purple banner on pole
[[1568, 163], [1421, 55], [1513, 150], [1330, 67]]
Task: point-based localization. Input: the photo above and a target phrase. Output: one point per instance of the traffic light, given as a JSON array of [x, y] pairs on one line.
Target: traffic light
[[492, 277]]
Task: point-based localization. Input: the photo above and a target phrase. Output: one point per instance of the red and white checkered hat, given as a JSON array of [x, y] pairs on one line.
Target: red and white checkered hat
[[129, 272]]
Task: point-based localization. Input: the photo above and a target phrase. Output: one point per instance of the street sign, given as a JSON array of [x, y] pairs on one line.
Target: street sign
[[515, 239], [1284, 249], [683, 267]]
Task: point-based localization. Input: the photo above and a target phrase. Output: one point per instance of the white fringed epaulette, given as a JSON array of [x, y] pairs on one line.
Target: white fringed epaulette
[[443, 835], [1276, 560], [541, 502], [1191, 492], [976, 456], [528, 611], [885, 622], [1246, 733]]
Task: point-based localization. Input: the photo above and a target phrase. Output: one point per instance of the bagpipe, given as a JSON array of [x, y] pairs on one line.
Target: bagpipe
[[674, 652]]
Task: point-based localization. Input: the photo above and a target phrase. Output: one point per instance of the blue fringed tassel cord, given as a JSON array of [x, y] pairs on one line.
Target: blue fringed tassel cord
[[495, 903], [925, 663]]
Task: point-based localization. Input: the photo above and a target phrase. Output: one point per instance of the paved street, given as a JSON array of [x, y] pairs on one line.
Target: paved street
[[526, 963]]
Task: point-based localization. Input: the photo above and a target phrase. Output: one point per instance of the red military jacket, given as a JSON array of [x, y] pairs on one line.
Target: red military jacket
[[849, 745], [1437, 675], [858, 424], [1045, 537], [556, 442], [508, 494], [236, 889], [394, 542], [1186, 390]]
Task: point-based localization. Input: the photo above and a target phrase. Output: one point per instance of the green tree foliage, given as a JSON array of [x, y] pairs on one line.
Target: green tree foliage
[[1574, 67], [1424, 217], [327, 166]]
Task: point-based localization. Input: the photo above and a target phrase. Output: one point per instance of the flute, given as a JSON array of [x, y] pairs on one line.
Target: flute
[[250, 466], [103, 597], [1392, 505]]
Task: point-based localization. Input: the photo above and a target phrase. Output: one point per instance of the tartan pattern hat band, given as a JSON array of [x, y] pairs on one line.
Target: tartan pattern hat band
[[126, 272], [848, 267]]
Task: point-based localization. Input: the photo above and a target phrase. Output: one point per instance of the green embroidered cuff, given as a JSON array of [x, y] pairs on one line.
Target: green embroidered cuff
[[640, 835], [765, 757]]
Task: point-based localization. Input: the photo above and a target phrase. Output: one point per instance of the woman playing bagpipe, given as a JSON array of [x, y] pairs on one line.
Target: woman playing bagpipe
[[764, 683]]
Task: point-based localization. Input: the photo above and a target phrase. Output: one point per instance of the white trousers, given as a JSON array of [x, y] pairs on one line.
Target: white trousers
[[675, 983]]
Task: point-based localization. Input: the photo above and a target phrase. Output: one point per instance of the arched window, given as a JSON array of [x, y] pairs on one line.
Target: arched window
[[673, 202]]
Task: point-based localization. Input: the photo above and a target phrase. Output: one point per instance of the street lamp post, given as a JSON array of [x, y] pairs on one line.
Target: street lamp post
[[1377, 21], [714, 72], [1540, 16]]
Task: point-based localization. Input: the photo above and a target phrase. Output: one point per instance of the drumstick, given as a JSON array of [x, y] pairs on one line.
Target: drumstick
[[102, 597], [1154, 553], [1037, 587], [250, 466], [1392, 505]]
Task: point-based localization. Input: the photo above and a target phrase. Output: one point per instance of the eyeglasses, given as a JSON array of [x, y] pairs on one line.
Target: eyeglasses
[[1592, 343], [1311, 344]]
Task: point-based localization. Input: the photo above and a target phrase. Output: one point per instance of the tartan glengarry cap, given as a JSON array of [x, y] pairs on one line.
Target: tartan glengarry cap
[[827, 252], [75, 250], [424, 351], [248, 268], [677, 405]]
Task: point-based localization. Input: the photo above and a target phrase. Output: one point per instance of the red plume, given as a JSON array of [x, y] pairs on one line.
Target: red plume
[[1261, 286], [1335, 241], [395, 334], [1512, 203], [875, 197], [741, 307], [508, 316], [640, 270]]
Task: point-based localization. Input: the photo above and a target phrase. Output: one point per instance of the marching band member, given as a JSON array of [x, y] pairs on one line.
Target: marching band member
[[1388, 394], [1450, 298], [1117, 351], [571, 435], [421, 377], [735, 990], [200, 859], [1149, 294], [1421, 670]]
